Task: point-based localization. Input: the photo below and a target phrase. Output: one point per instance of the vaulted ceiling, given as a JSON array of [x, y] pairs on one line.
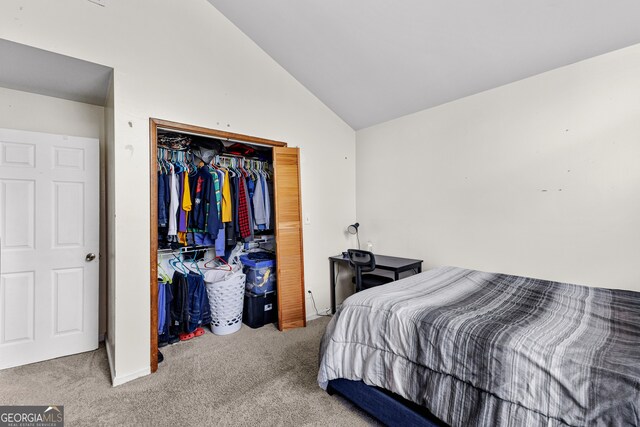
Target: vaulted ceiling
[[375, 60]]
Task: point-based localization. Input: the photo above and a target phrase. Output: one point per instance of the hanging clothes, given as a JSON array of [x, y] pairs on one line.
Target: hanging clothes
[[163, 203], [230, 227], [218, 195], [180, 180], [204, 202], [267, 204], [251, 187], [179, 304], [164, 315], [236, 202], [183, 220], [213, 205], [227, 211], [186, 304], [243, 210], [259, 209], [198, 302], [221, 238], [249, 210], [173, 204]]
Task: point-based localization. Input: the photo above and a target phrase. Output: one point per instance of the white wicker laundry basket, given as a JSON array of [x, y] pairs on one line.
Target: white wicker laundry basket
[[225, 298]]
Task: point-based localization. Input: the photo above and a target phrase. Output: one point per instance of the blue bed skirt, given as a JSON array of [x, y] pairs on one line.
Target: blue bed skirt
[[388, 408]]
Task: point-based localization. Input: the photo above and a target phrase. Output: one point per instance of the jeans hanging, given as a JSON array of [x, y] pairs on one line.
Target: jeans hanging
[[199, 309]]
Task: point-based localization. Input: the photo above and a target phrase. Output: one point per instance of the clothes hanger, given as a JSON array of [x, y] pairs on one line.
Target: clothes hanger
[[163, 273], [161, 164], [194, 262], [167, 162], [224, 264], [246, 165], [213, 163], [232, 171], [205, 266], [178, 162], [176, 263], [183, 162], [226, 166], [253, 164], [174, 162], [265, 170], [193, 168], [242, 169]]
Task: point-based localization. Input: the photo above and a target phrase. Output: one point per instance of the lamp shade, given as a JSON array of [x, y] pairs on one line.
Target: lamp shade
[[353, 228]]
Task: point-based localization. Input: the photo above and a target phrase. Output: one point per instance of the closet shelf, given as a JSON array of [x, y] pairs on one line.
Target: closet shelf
[[184, 249]]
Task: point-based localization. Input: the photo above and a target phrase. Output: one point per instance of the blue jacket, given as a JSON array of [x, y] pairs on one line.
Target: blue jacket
[[204, 201]]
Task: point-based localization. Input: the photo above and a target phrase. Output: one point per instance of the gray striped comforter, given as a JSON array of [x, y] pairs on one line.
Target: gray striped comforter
[[491, 349]]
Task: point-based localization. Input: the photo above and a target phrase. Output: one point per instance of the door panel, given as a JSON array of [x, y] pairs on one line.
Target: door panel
[[49, 207], [17, 198], [68, 158], [18, 306], [289, 253], [18, 155], [68, 297], [68, 214]]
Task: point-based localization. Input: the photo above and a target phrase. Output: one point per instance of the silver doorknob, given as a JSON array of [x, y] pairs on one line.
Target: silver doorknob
[[90, 257]]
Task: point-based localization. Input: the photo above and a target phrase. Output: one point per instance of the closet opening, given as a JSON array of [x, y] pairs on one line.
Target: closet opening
[[226, 218]]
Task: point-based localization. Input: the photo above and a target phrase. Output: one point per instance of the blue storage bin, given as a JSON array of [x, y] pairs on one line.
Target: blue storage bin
[[261, 275]]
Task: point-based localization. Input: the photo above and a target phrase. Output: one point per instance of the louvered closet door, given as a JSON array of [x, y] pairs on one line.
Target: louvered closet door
[[290, 259]]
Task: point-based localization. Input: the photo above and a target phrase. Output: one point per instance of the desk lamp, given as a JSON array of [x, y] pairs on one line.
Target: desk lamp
[[353, 229]]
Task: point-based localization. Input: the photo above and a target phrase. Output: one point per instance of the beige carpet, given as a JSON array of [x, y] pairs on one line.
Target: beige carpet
[[252, 377]]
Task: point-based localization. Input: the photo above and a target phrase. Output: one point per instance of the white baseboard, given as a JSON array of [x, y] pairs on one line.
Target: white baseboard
[[112, 367], [121, 379], [312, 316]]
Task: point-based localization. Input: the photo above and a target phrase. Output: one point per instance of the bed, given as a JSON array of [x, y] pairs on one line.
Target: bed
[[477, 348]]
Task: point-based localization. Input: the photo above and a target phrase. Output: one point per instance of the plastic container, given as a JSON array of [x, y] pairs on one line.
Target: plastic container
[[226, 300], [261, 275], [260, 309]]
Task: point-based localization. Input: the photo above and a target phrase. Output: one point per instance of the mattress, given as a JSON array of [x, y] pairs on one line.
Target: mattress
[[478, 348]]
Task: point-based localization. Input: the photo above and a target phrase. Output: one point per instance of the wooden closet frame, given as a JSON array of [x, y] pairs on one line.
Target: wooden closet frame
[[154, 125]]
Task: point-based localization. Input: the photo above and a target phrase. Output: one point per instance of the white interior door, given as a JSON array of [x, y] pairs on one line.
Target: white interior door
[[49, 223]]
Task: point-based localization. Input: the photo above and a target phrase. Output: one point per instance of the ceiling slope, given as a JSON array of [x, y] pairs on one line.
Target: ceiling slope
[[371, 60]]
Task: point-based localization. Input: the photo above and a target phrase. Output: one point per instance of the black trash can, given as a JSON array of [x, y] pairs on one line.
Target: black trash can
[[260, 309]]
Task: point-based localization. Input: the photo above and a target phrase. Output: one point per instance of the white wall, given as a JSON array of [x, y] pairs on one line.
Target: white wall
[[183, 61], [38, 113], [538, 178], [110, 212]]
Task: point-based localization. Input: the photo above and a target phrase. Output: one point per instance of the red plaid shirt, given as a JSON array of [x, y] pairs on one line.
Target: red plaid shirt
[[243, 211]]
